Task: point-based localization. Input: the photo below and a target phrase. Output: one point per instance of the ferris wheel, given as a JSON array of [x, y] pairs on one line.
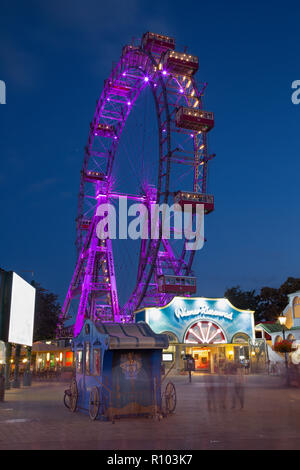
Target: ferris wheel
[[147, 144]]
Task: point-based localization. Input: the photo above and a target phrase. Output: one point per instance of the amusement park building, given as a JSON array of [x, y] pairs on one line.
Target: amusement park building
[[52, 355], [272, 331], [213, 331]]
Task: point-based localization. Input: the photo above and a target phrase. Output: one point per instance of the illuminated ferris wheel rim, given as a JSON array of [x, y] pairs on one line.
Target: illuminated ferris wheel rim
[[150, 73], [151, 76], [178, 104]]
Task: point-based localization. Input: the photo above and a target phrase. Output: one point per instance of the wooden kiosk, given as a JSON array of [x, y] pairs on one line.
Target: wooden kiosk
[[118, 371]]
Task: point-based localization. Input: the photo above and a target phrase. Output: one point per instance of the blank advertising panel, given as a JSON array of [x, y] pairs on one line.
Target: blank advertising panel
[[21, 312]]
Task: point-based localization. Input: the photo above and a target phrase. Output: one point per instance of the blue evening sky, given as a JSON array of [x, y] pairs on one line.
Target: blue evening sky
[[54, 57]]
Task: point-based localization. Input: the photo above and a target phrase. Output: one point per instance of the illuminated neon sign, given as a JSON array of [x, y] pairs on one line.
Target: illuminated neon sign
[[219, 319], [204, 310]]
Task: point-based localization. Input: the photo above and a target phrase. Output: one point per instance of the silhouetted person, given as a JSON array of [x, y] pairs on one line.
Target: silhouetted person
[[238, 389], [223, 384], [211, 393], [2, 385]]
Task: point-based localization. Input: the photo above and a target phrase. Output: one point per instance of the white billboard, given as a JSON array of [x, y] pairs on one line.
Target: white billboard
[[21, 312], [2, 353]]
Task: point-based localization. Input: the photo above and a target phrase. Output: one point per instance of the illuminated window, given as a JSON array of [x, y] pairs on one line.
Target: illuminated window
[[52, 360], [79, 362], [97, 362], [87, 358], [69, 358]]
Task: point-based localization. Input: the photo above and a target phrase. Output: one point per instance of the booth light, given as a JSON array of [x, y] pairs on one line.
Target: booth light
[[155, 314], [282, 320], [48, 356]]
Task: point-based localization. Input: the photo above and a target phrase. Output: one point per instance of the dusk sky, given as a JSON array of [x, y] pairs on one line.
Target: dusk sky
[[54, 57]]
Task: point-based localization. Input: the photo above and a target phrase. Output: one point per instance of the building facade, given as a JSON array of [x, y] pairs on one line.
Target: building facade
[[272, 332], [212, 331]]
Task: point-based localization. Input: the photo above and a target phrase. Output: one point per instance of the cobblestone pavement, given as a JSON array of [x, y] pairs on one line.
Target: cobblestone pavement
[[35, 418]]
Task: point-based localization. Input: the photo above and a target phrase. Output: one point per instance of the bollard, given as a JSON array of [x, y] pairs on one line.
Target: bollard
[[27, 378], [2, 387]]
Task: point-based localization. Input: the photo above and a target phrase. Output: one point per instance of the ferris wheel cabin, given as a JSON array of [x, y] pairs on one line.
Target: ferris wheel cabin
[[92, 176], [85, 224], [194, 119], [119, 89], [179, 63], [179, 285], [157, 42], [187, 197], [129, 48], [104, 130]]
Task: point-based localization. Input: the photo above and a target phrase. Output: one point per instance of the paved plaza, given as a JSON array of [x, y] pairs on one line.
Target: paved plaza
[[36, 418]]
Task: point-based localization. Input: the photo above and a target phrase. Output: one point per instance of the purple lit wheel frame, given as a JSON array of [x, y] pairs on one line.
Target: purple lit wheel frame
[[181, 164]]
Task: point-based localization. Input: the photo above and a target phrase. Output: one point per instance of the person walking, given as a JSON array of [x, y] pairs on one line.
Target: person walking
[[238, 389], [223, 385], [211, 393]]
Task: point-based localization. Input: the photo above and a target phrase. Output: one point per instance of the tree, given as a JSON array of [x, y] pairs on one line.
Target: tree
[[244, 300], [268, 304], [47, 311], [273, 301]]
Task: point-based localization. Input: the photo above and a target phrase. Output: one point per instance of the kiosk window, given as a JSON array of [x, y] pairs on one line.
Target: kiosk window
[[87, 358], [97, 362], [79, 362]]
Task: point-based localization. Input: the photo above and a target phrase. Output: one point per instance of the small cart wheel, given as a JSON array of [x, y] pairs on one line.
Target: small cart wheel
[[94, 404], [67, 396], [170, 397], [73, 395]]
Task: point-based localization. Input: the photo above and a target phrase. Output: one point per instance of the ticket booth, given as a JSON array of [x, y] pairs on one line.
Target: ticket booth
[[118, 370]]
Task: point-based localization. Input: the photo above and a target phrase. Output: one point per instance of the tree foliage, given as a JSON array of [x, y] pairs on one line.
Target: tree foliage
[[245, 300], [268, 303], [47, 311]]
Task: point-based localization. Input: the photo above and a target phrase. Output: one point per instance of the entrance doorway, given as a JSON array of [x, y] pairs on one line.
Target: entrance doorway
[[202, 359]]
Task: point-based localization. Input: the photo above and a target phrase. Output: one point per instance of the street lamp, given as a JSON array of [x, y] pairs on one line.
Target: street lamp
[[282, 321]]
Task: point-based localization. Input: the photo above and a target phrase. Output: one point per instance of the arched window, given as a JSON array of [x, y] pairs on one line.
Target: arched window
[[240, 338], [205, 332], [296, 307], [171, 337]]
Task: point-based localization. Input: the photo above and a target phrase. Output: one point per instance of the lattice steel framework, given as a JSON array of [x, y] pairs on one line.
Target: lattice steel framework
[[94, 282]]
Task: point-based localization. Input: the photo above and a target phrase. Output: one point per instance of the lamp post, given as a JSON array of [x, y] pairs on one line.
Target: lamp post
[[282, 321]]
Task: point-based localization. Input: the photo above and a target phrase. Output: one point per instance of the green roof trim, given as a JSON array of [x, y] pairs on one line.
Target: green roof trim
[[273, 327]]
